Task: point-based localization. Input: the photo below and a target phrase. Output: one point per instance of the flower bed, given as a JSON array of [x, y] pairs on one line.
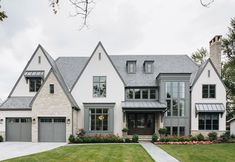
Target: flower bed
[[184, 143]]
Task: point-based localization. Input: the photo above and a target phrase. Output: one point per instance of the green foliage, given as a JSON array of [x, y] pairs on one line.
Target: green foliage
[[200, 137], [212, 136], [193, 138], [135, 138], [2, 14], [228, 75], [232, 136], [71, 138], [1, 139], [154, 137], [163, 131], [200, 55], [127, 140], [225, 136], [125, 129]]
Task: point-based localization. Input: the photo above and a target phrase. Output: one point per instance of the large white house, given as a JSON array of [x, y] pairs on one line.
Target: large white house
[[103, 94]]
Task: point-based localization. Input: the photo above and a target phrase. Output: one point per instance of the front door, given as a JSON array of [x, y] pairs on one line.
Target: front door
[[140, 123]]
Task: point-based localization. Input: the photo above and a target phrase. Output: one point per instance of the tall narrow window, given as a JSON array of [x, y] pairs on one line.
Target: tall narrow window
[[209, 73], [51, 86], [148, 66], [99, 86], [39, 59]]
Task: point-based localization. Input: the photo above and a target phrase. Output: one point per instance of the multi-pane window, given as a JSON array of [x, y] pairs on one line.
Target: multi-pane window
[[208, 121], [175, 98], [131, 67], [141, 93], [34, 84], [208, 91], [99, 86], [98, 119], [176, 131]]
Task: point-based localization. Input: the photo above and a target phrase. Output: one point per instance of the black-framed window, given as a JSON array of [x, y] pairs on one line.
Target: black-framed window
[[208, 91], [131, 67], [175, 98], [141, 93], [34, 84], [98, 119], [208, 121], [175, 130], [99, 86], [52, 88]]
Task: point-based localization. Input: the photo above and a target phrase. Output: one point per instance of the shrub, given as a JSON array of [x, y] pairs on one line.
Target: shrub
[[212, 136], [72, 139], [135, 138], [125, 129], [200, 137], [1, 138], [163, 131], [232, 136], [225, 136], [193, 138], [81, 132], [154, 137], [127, 140]]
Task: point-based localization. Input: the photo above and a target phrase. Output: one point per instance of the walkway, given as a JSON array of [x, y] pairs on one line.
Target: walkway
[[10, 150], [157, 153]]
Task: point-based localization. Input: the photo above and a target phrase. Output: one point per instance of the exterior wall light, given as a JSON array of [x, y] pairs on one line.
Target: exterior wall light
[[68, 121], [34, 120], [1, 121]]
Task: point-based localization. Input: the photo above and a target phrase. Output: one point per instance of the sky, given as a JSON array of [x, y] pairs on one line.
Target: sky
[[123, 27]]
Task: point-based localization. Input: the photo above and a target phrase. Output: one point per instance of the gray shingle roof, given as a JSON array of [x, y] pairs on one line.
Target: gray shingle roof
[[71, 67], [17, 103]]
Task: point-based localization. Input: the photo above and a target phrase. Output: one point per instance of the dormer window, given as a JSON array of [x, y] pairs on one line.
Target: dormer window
[[131, 67], [34, 78], [148, 66]]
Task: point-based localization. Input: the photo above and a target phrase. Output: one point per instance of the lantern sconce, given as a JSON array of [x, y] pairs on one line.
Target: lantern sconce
[[34, 120], [68, 121], [1, 121]]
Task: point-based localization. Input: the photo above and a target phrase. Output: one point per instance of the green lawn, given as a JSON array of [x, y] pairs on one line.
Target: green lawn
[[202, 153], [90, 153]]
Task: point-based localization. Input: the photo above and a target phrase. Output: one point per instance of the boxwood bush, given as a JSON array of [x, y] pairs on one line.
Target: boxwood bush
[[1, 139], [154, 137], [101, 139], [212, 136]]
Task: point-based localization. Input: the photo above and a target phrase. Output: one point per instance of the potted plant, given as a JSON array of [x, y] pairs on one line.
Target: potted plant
[[124, 132]]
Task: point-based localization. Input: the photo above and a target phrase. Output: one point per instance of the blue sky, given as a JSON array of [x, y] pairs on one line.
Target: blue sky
[[124, 27]]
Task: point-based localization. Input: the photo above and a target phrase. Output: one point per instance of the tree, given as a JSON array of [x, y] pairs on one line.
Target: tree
[[228, 69], [2, 14], [200, 55]]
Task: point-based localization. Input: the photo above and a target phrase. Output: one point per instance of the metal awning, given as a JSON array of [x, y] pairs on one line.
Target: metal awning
[[210, 107], [143, 106], [34, 74]]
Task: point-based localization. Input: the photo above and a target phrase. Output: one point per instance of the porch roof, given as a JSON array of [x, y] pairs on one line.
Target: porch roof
[[143, 106]]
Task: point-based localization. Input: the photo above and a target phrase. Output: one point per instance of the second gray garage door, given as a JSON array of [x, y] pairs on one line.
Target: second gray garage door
[[52, 129]]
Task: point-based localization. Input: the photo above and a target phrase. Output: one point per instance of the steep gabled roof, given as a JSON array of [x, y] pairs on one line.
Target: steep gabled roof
[[201, 69], [99, 44]]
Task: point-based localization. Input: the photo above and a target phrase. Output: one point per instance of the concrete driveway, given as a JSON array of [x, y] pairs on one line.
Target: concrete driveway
[[10, 150]]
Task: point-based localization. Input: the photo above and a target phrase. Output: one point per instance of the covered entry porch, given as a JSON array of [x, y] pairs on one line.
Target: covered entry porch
[[143, 117]]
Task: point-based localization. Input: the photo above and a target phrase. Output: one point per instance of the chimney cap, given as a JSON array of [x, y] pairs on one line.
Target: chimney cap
[[216, 38]]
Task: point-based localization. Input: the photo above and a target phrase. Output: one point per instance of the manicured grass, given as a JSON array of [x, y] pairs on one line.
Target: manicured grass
[[91, 153], [202, 153]]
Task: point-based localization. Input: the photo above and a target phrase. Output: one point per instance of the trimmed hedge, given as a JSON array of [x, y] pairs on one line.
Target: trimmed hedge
[[1, 139], [102, 139]]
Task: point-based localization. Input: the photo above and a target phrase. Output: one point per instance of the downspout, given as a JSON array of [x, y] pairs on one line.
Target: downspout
[[72, 119], [190, 110]]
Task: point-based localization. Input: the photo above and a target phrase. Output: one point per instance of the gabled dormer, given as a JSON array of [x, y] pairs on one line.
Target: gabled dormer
[[131, 66], [33, 74]]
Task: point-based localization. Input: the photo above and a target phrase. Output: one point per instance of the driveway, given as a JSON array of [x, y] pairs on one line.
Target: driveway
[[10, 150]]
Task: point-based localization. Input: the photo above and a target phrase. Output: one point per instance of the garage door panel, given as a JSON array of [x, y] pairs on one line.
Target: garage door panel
[[52, 130], [19, 129]]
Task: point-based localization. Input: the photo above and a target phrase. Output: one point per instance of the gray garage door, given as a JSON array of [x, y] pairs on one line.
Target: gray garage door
[[52, 130], [19, 129]]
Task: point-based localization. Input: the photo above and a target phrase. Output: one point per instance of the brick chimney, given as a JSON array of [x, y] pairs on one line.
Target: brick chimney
[[215, 52]]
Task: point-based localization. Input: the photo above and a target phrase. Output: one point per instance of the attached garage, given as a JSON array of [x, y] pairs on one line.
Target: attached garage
[[52, 129], [19, 129]]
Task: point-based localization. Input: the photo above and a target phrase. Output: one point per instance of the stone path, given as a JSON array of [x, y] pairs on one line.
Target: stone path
[[157, 153]]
